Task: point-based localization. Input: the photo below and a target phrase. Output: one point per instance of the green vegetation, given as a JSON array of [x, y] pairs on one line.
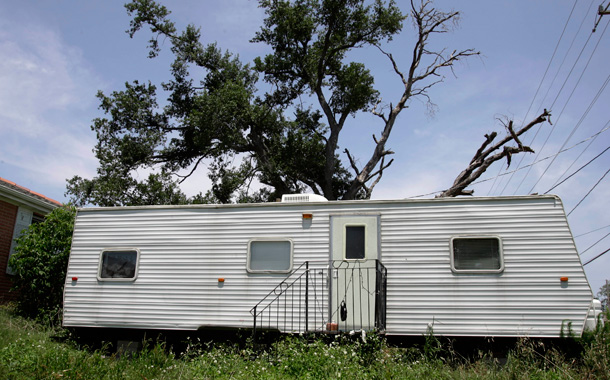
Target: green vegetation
[[39, 265], [277, 120], [29, 351]]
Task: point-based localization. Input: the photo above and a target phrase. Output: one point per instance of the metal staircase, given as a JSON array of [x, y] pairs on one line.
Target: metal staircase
[[326, 297]]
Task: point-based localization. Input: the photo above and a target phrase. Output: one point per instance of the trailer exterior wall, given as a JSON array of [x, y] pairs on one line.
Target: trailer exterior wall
[[183, 253], [526, 299], [185, 250]]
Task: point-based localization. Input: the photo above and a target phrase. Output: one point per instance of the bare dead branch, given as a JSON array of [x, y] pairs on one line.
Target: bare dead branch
[[483, 158], [488, 139], [427, 21], [381, 169], [352, 162], [184, 177], [369, 189]]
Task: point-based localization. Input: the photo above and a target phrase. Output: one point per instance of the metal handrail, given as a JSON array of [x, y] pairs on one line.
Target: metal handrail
[[290, 299]]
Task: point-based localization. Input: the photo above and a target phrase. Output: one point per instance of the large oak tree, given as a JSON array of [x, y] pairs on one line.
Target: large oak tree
[[223, 120]]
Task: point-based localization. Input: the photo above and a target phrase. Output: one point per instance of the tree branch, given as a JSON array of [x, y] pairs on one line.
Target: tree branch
[[482, 159]]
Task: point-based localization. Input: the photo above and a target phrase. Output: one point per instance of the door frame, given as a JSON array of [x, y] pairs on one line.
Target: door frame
[[337, 225]]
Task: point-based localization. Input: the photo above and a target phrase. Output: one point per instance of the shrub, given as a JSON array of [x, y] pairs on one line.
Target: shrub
[[596, 344], [40, 262]]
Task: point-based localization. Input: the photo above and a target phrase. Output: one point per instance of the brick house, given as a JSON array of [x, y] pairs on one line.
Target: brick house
[[19, 207]]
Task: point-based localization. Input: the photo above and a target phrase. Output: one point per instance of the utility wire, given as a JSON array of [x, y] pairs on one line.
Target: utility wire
[[590, 232], [572, 69], [580, 155], [579, 169], [565, 57], [594, 244], [549, 90], [569, 98], [599, 92], [551, 60], [596, 257], [540, 85], [524, 167], [586, 195]]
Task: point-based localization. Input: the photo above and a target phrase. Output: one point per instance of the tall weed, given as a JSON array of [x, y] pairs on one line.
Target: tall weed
[[28, 351], [596, 350]]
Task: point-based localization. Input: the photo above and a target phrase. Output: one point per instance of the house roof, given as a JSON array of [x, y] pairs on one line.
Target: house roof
[[23, 196]]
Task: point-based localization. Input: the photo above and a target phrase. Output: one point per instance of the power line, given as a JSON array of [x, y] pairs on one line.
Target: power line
[[597, 257], [566, 103], [607, 127], [540, 85], [586, 195], [524, 167], [580, 155], [552, 57], [599, 92], [590, 232], [594, 244], [565, 57], [579, 169], [572, 69]]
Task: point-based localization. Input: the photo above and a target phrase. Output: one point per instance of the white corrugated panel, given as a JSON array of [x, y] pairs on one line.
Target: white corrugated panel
[[183, 253], [184, 250], [527, 298]]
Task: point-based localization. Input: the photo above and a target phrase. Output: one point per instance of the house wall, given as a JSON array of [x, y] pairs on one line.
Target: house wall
[[8, 215]]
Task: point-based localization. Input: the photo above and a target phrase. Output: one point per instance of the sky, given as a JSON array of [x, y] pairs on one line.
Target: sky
[[57, 54]]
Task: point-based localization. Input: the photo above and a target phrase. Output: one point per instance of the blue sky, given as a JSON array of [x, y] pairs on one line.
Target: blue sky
[[57, 54]]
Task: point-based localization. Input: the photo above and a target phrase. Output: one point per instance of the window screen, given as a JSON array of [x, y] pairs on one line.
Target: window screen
[[476, 254], [120, 264], [270, 256], [354, 242]]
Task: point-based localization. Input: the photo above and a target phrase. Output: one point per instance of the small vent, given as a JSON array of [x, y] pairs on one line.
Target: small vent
[[303, 198]]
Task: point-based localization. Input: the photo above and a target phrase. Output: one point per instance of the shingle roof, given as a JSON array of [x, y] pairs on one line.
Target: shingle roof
[[27, 192]]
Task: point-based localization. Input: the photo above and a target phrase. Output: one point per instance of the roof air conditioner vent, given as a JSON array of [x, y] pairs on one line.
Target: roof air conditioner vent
[[303, 198]]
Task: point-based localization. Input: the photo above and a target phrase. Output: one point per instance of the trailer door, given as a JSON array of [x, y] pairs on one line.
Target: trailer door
[[354, 249]]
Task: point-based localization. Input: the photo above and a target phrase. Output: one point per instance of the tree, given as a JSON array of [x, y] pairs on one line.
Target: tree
[[40, 262], [287, 138], [117, 188]]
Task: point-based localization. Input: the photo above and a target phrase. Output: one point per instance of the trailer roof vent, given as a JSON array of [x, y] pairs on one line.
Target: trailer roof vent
[[303, 198]]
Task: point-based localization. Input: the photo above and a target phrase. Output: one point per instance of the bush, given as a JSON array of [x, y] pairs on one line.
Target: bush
[[40, 262]]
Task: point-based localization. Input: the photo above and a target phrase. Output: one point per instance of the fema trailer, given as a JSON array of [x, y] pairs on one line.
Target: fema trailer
[[478, 267]]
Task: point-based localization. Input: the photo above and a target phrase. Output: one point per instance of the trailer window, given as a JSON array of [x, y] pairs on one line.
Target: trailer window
[[269, 256], [476, 255], [354, 242], [118, 265]]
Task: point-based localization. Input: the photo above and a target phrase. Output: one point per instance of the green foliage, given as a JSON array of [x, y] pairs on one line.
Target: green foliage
[[596, 355], [40, 262], [285, 139], [115, 187], [28, 351]]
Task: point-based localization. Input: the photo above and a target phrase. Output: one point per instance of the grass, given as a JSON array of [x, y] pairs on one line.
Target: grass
[[31, 351]]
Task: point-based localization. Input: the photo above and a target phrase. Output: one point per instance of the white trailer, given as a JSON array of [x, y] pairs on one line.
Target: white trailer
[[494, 266]]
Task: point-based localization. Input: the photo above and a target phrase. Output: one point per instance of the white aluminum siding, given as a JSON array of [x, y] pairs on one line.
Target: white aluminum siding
[[183, 254], [184, 250], [526, 299]]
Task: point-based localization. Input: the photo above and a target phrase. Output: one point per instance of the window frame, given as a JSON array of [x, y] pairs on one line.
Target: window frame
[[269, 271], [477, 271], [365, 230], [118, 279]]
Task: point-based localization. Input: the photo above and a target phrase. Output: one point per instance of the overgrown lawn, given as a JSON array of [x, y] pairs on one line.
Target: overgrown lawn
[[30, 351]]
